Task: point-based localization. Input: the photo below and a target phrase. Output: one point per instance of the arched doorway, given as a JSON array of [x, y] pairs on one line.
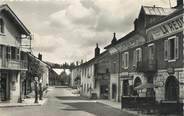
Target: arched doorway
[[172, 89], [137, 82]]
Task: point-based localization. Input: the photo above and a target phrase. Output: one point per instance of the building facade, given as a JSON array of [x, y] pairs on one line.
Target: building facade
[[167, 38], [75, 81], [13, 62], [38, 68], [95, 76], [133, 64]]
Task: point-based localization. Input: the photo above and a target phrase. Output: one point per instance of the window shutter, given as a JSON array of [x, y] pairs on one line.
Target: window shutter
[[166, 51], [134, 58], [140, 54], [123, 60], [176, 48], [127, 59]]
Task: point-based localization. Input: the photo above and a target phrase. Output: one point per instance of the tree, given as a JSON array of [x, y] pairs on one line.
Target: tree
[[35, 69]]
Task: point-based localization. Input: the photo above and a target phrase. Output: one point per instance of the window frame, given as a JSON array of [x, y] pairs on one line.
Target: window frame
[[176, 47], [126, 60], [153, 55]]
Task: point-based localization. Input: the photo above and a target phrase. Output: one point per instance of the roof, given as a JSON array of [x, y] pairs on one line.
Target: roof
[[173, 14], [94, 59], [57, 71], [38, 59], [23, 28], [159, 11], [132, 33]]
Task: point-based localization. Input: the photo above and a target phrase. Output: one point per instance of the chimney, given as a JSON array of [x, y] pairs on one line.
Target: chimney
[[179, 3], [40, 56], [97, 50], [77, 63], [114, 40], [81, 61]]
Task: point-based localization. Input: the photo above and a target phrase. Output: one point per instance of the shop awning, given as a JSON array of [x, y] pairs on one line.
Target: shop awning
[[144, 86]]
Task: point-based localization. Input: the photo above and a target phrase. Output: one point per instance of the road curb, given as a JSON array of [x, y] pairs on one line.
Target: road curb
[[22, 104]]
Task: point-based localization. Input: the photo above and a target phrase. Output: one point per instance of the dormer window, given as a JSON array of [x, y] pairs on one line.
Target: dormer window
[[1, 26]]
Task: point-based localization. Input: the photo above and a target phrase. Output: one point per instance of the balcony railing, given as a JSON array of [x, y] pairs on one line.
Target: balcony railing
[[147, 66], [13, 64]]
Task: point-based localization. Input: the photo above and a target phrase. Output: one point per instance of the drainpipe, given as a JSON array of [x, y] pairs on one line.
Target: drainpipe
[[119, 56]]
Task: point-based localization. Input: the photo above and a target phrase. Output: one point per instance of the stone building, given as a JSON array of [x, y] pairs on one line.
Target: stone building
[[132, 66], [13, 61], [95, 75], [167, 38]]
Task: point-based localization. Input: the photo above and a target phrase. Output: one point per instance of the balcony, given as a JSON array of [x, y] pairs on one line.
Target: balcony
[[13, 64], [147, 66]]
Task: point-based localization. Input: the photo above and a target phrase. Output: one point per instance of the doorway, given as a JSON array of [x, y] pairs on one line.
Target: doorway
[[172, 89], [114, 91], [125, 87], [137, 82], [3, 86]]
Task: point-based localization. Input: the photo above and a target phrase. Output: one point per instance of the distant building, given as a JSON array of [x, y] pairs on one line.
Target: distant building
[[13, 60], [94, 75], [54, 78], [75, 81]]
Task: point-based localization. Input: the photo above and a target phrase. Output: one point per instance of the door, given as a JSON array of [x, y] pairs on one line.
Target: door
[[2, 89], [113, 91], [172, 89]]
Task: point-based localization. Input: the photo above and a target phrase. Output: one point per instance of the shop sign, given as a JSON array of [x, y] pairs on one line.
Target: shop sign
[[166, 28]]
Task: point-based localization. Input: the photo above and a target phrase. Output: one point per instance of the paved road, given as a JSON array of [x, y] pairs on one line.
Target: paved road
[[61, 102]]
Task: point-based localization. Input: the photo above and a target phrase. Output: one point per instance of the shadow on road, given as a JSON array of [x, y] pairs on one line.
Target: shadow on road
[[61, 87], [71, 98], [96, 109]]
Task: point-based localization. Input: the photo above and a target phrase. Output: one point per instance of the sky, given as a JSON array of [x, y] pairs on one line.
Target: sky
[[68, 30]]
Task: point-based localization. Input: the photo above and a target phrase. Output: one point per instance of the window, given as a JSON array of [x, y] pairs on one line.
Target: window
[[17, 54], [125, 60], [13, 53], [1, 26], [114, 67], [171, 48], [1, 51], [137, 56], [151, 51], [8, 52]]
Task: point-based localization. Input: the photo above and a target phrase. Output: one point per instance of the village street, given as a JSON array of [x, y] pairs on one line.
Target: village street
[[61, 102]]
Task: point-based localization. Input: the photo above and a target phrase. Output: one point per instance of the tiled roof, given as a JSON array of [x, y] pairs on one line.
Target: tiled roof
[[149, 10], [173, 14]]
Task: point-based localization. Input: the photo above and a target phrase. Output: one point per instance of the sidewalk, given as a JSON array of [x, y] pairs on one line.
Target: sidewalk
[[117, 105], [27, 101]]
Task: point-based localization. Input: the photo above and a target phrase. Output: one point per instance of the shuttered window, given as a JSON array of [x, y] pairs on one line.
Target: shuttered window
[[171, 48], [126, 60], [166, 50], [123, 60], [176, 48], [137, 56], [151, 51], [1, 26]]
